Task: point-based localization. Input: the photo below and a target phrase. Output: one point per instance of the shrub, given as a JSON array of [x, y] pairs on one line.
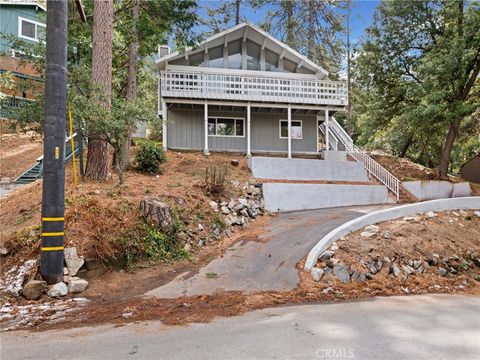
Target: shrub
[[215, 178], [149, 156]]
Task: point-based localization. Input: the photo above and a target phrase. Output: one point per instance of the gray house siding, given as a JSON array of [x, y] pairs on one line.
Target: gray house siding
[[266, 133], [185, 130]]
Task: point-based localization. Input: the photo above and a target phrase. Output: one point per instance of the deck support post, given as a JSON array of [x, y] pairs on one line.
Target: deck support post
[[249, 144], [289, 118], [164, 125], [327, 131], [205, 148]]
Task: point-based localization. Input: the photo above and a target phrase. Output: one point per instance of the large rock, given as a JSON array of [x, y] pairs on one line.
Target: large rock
[[58, 290], [34, 289], [77, 285], [157, 212], [369, 231], [72, 260], [326, 255], [341, 272], [316, 273]]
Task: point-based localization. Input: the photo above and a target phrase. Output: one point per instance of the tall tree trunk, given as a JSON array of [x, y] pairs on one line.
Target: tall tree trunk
[[442, 169], [237, 11], [406, 146], [290, 23], [122, 162], [311, 30], [97, 157]]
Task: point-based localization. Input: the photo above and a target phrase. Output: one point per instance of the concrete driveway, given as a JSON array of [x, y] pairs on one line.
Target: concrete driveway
[[267, 264], [414, 327]]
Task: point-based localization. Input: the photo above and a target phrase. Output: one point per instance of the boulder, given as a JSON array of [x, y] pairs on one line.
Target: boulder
[[476, 213], [408, 269], [213, 205], [442, 272], [58, 290], [369, 231], [341, 272], [72, 260], [225, 210], [434, 260], [231, 204], [326, 255], [242, 201], [34, 289], [395, 270], [77, 285], [157, 212], [316, 273], [430, 214], [358, 276]]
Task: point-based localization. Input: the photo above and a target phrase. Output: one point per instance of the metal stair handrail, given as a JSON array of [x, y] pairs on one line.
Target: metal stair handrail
[[372, 167], [40, 159]]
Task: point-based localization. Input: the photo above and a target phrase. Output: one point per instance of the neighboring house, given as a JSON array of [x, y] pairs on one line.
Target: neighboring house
[[470, 171], [24, 20], [241, 90]]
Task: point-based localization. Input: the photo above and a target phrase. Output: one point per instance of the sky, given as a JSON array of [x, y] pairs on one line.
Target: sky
[[361, 15]]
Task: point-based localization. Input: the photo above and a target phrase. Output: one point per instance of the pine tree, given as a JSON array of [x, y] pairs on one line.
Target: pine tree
[[102, 36]]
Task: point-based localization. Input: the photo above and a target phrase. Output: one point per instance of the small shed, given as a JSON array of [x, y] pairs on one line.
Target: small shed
[[470, 171]]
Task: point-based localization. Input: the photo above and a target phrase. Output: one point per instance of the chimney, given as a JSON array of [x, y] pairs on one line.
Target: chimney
[[163, 50]]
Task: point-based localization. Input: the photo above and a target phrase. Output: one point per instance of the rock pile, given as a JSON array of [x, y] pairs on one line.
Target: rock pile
[[23, 280], [240, 211], [366, 269]]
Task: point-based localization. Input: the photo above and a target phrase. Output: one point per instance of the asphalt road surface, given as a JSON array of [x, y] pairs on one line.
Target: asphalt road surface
[[414, 327], [267, 264]]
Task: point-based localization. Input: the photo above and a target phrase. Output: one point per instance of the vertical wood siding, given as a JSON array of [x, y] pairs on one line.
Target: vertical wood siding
[[186, 131]]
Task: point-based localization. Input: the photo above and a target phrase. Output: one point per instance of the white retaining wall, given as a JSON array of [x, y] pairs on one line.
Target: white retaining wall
[[465, 203], [291, 197], [306, 169], [432, 189]]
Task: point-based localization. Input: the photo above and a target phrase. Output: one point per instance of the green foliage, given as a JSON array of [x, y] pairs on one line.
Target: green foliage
[[416, 79], [165, 247], [149, 156]]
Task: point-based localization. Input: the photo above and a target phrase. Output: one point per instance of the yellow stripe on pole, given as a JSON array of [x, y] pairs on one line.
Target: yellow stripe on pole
[[59, 233], [52, 248], [72, 142], [53, 219]]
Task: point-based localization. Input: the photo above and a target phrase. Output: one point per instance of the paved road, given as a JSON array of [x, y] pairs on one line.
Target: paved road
[[268, 264], [415, 327]]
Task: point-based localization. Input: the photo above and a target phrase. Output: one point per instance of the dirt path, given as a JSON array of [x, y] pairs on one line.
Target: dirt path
[[266, 262]]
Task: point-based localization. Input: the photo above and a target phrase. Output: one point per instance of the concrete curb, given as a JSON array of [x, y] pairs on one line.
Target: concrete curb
[[465, 203]]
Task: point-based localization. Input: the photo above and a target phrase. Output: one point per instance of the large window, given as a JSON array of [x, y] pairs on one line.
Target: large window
[[253, 56], [271, 60], [234, 54], [215, 57], [31, 30], [222, 126], [297, 131]]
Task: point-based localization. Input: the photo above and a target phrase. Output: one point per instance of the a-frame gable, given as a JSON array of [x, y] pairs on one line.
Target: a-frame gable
[[244, 47]]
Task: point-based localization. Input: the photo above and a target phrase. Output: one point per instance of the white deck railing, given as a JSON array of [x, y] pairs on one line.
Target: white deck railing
[[221, 86], [372, 167]]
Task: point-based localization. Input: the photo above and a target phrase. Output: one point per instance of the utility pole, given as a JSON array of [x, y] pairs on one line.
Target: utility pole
[[53, 191]]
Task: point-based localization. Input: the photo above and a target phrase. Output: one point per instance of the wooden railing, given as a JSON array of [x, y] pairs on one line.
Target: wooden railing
[[221, 86]]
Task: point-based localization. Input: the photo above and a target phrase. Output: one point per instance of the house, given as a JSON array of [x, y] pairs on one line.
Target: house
[[470, 171], [244, 91], [20, 20]]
